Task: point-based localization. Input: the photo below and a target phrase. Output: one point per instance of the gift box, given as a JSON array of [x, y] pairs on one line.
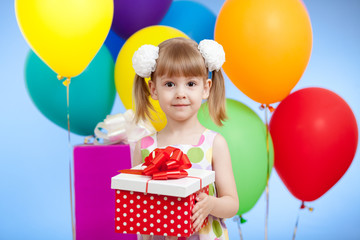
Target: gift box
[[158, 207], [94, 165]]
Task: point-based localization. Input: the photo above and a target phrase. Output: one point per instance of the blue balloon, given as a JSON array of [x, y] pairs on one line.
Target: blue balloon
[[91, 94], [192, 18], [114, 43]]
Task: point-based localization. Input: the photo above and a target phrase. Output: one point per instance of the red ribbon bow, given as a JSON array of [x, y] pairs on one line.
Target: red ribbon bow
[[168, 163], [163, 164]]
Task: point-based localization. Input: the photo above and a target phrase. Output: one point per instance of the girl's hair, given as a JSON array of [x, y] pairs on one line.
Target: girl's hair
[[181, 57]]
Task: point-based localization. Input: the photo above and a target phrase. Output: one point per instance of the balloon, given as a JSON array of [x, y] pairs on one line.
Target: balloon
[[91, 94], [315, 138], [124, 72], [65, 34], [114, 43], [133, 15], [193, 18], [245, 134], [267, 45]]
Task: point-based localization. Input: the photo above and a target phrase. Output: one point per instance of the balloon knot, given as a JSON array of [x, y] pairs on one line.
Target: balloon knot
[[264, 106], [271, 109], [242, 220], [66, 82], [304, 206], [89, 139]]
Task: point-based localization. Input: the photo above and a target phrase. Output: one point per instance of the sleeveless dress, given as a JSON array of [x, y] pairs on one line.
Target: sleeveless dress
[[200, 156]]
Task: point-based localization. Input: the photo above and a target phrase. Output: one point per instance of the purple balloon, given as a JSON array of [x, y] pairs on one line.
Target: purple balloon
[[133, 15]]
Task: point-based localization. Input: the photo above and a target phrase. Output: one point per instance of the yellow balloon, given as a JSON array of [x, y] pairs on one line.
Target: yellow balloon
[[125, 74], [65, 34]]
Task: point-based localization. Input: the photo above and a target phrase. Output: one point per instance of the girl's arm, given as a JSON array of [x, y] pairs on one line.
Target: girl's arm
[[226, 204]]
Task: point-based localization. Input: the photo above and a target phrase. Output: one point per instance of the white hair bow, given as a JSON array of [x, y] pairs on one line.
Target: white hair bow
[[213, 53], [144, 60]]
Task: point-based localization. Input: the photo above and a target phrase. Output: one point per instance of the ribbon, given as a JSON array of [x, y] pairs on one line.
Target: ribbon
[[168, 163], [163, 164], [66, 83], [271, 109], [120, 128], [302, 206], [238, 220]]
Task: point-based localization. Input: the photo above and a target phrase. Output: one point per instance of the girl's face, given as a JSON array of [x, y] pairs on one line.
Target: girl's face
[[180, 97]]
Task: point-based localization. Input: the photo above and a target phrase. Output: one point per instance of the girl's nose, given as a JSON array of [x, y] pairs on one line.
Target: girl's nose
[[180, 93], [180, 96]]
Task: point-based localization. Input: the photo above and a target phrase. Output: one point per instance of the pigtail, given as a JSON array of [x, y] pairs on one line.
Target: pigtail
[[216, 100], [142, 101], [214, 56]]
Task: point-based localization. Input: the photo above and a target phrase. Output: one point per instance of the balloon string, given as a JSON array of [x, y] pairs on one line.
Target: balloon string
[[267, 172], [72, 205], [238, 218], [302, 206], [67, 84], [297, 220]]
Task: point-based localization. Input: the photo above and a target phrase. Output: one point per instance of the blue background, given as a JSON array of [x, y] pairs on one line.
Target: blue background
[[34, 174]]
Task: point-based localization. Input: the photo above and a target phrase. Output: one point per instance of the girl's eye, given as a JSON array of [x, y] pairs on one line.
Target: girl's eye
[[191, 84], [169, 84]]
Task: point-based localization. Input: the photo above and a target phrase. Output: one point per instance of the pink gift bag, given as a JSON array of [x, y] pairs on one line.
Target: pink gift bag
[[94, 166]]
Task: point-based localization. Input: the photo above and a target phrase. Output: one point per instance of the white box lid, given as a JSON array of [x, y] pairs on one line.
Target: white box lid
[[182, 187]]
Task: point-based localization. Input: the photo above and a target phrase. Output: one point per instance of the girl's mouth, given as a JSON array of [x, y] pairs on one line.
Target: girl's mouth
[[181, 105]]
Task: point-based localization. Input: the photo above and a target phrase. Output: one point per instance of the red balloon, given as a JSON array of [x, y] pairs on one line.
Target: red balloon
[[315, 138]]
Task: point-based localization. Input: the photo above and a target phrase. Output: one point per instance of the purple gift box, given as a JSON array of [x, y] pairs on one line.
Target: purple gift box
[[94, 165]]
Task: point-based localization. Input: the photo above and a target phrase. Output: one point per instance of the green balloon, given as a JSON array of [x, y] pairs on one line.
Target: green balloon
[[91, 94], [245, 134]]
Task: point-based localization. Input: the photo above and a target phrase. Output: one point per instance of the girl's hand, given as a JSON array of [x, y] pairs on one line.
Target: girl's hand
[[201, 210]]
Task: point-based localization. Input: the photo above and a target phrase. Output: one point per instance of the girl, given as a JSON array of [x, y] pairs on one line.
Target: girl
[[179, 71]]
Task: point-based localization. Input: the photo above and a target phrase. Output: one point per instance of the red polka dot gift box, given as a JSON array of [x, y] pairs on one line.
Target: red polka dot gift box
[[158, 207]]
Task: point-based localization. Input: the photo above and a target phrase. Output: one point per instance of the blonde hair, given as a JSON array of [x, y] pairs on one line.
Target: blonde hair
[[181, 57]]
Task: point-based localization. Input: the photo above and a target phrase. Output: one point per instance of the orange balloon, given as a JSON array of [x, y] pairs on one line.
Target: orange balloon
[[267, 44]]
